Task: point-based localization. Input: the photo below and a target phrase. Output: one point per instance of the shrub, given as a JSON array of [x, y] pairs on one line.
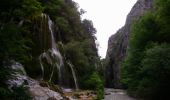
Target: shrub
[[95, 82]]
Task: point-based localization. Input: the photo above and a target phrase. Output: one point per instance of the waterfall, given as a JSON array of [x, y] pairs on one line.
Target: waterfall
[[72, 69], [52, 55], [74, 75]]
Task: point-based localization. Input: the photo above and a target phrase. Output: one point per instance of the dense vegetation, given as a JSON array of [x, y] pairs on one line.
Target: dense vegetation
[[75, 38], [146, 70]]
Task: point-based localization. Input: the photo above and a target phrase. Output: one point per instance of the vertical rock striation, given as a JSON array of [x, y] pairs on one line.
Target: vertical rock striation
[[118, 43]]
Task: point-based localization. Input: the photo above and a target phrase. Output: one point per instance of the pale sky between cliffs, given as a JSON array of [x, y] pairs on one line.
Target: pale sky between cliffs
[[108, 16]]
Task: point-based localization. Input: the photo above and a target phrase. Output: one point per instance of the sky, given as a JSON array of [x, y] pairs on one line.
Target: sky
[[107, 16]]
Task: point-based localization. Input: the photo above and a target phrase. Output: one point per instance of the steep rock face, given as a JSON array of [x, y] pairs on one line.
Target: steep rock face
[[36, 91], [118, 43]]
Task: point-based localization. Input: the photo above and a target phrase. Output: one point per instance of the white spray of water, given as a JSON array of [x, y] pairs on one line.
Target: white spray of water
[[52, 55], [74, 75]]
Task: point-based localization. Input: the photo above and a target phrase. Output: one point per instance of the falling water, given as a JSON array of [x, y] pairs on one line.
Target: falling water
[[52, 55], [54, 52], [73, 73], [49, 61]]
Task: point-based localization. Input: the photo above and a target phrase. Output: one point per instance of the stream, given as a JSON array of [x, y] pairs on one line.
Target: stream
[[116, 94]]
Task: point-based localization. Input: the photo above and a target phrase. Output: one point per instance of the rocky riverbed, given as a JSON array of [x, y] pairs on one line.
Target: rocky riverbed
[[116, 94]]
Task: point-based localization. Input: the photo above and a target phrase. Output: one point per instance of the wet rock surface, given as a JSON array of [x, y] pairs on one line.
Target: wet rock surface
[[19, 78], [42, 90], [81, 95], [42, 93]]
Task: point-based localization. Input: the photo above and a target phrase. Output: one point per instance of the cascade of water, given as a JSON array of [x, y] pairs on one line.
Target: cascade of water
[[50, 24], [52, 55], [54, 51], [74, 75], [48, 59]]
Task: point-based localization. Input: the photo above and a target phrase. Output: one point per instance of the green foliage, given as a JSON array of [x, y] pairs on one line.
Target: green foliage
[[155, 72], [145, 71], [17, 93], [20, 93], [13, 45], [53, 7], [95, 82], [19, 9], [31, 8], [15, 41], [88, 26], [75, 53], [20, 36], [144, 31], [4, 74]]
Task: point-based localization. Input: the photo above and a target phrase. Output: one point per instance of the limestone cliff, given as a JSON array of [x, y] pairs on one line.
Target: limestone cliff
[[118, 43]]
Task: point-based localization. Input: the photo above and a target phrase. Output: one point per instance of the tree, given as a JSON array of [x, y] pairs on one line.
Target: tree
[[146, 67]]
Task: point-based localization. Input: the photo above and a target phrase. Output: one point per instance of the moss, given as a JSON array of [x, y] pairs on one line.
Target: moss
[[51, 86]]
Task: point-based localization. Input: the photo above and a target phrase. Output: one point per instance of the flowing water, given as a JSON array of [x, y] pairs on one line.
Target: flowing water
[[116, 94], [74, 75], [52, 55]]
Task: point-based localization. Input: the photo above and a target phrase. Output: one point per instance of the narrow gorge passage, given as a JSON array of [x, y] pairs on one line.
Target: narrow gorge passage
[[84, 49]]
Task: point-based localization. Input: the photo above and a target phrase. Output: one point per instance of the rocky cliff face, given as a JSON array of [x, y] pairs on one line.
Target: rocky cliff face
[[118, 43], [38, 90]]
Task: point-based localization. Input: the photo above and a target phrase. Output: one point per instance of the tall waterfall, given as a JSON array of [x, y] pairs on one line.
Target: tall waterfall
[[52, 55]]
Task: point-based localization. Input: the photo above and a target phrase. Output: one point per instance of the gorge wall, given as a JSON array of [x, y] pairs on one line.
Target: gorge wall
[[118, 44]]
